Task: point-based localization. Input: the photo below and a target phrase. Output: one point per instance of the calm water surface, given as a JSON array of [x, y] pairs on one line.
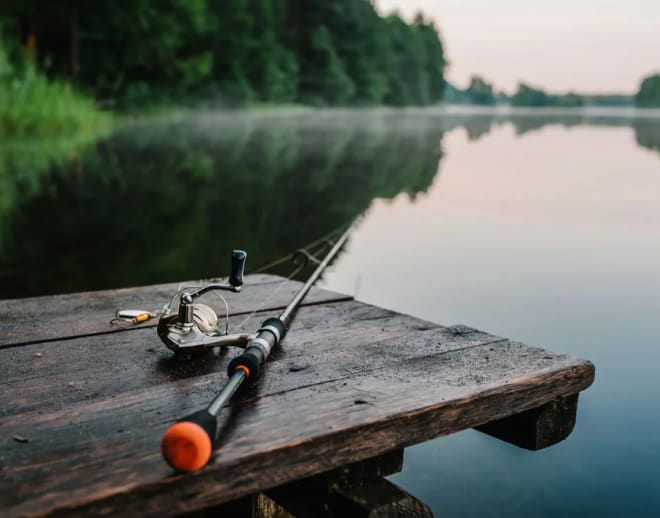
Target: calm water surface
[[543, 228]]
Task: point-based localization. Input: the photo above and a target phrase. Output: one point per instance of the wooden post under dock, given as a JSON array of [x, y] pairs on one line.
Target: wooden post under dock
[[83, 406]]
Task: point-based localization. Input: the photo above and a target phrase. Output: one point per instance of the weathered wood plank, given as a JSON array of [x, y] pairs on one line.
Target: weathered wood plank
[[38, 319], [537, 428], [326, 340], [113, 443]]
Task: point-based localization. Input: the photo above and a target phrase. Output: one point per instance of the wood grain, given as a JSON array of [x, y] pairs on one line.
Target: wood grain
[[324, 341], [425, 390], [39, 319], [350, 382]]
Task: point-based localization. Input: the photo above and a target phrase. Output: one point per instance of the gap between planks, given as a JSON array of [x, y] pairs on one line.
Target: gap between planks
[[346, 298]]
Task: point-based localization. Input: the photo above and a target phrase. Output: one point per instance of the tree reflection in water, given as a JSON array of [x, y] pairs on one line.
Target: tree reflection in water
[[165, 200]]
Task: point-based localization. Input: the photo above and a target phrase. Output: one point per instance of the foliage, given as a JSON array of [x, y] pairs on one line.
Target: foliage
[[609, 100], [250, 60], [135, 52], [325, 77], [534, 97], [569, 100], [480, 92], [649, 92], [30, 103], [415, 63], [138, 50], [529, 96]]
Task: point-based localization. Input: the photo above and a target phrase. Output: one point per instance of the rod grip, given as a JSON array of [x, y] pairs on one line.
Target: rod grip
[[238, 258], [249, 362], [272, 331], [187, 445]]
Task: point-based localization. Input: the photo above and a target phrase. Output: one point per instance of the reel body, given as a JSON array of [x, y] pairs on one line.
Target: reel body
[[196, 327]]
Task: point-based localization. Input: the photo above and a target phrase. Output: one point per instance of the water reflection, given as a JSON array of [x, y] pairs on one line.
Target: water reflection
[[647, 133], [165, 200]]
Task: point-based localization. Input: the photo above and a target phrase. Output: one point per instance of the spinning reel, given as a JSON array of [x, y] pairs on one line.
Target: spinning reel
[[196, 327]]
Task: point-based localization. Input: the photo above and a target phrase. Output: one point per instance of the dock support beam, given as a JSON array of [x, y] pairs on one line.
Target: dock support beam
[[537, 428], [358, 490]]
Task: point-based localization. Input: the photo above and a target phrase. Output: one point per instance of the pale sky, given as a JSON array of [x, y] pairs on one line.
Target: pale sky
[[583, 45]]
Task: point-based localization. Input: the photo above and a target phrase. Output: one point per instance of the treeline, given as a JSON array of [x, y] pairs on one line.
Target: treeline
[[481, 92], [527, 95], [319, 52]]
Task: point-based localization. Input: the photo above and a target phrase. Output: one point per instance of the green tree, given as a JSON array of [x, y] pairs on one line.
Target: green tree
[[407, 79], [325, 78], [317, 31], [434, 58], [536, 97], [529, 96], [649, 92], [355, 29], [480, 92], [250, 59], [569, 100], [139, 50]]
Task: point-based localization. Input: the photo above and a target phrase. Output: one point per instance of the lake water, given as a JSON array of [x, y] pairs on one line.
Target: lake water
[[543, 227]]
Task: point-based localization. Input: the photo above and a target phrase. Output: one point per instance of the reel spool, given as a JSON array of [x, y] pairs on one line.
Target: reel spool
[[196, 327], [206, 319]]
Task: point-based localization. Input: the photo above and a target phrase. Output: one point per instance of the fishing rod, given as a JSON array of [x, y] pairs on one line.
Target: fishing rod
[[188, 444]]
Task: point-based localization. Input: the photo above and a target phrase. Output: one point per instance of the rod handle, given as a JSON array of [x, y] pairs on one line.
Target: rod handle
[[237, 267], [272, 331], [249, 362], [187, 445]]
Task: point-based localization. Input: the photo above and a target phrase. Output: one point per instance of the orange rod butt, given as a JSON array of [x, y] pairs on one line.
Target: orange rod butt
[[186, 446]]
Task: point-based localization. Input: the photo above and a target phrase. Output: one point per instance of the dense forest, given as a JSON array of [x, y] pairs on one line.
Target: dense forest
[[129, 53], [65, 64]]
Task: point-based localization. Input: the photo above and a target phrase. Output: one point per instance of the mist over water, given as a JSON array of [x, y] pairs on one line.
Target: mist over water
[[542, 227]]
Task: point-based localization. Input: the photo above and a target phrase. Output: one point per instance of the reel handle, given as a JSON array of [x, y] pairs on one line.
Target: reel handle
[[238, 258]]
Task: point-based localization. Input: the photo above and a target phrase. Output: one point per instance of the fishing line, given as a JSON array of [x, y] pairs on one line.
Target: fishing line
[[316, 247], [307, 252], [309, 245], [270, 297]]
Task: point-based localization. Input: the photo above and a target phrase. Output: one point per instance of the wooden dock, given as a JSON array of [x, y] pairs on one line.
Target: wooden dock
[[83, 406]]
